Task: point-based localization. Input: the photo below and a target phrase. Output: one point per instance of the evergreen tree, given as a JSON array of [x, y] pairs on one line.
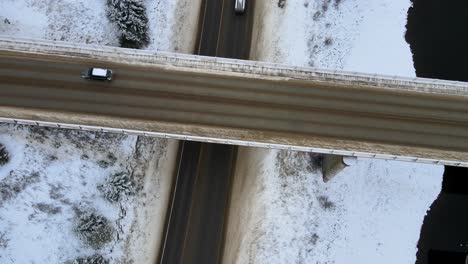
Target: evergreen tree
[[130, 16], [4, 155]]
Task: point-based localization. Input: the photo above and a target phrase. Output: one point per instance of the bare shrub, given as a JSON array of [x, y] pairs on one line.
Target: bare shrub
[[117, 185], [94, 229], [281, 3], [325, 203], [94, 259]]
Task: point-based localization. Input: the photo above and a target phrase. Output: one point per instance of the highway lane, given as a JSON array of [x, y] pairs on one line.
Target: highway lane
[[234, 40], [209, 27], [178, 215], [197, 216], [209, 209], [301, 109], [195, 231], [223, 33]]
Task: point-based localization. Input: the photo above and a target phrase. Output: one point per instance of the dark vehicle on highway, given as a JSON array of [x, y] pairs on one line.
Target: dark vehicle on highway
[[239, 6], [97, 74]]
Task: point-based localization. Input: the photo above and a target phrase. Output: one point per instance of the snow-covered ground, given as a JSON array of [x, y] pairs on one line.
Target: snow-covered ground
[[172, 24], [354, 35], [81, 21], [74, 195], [118, 185], [281, 210], [175, 24]]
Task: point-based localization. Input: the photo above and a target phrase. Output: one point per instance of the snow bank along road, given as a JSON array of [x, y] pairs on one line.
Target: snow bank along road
[[239, 102]]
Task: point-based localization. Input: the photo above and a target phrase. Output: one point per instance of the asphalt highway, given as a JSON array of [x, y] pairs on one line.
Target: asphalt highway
[[222, 32], [199, 206], [195, 230]]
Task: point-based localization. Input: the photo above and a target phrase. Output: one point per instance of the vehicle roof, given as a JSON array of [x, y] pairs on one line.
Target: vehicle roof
[[99, 72]]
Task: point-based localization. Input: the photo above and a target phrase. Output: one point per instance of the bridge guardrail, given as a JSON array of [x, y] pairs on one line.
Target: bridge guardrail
[[266, 69], [231, 142]]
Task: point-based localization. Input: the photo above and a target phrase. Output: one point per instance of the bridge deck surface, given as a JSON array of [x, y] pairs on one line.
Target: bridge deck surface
[[295, 112]]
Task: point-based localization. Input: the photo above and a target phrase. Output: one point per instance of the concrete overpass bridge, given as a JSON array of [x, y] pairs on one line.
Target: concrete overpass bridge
[[234, 102]]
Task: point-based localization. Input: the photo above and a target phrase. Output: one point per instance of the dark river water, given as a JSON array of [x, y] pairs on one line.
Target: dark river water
[[437, 32]]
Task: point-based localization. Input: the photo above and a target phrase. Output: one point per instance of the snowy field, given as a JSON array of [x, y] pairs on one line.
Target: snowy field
[[80, 21], [283, 212], [81, 196], [354, 35], [67, 194], [175, 24], [172, 23], [372, 212]]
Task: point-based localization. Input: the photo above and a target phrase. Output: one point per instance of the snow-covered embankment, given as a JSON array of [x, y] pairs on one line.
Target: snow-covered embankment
[[372, 212]]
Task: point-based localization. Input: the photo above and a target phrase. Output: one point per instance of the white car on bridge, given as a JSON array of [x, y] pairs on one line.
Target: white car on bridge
[[97, 74]]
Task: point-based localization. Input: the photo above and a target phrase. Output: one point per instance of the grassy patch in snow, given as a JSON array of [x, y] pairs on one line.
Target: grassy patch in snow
[[94, 259], [94, 229], [118, 185]]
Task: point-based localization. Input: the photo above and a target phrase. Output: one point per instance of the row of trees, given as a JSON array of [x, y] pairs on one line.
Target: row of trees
[[130, 16]]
